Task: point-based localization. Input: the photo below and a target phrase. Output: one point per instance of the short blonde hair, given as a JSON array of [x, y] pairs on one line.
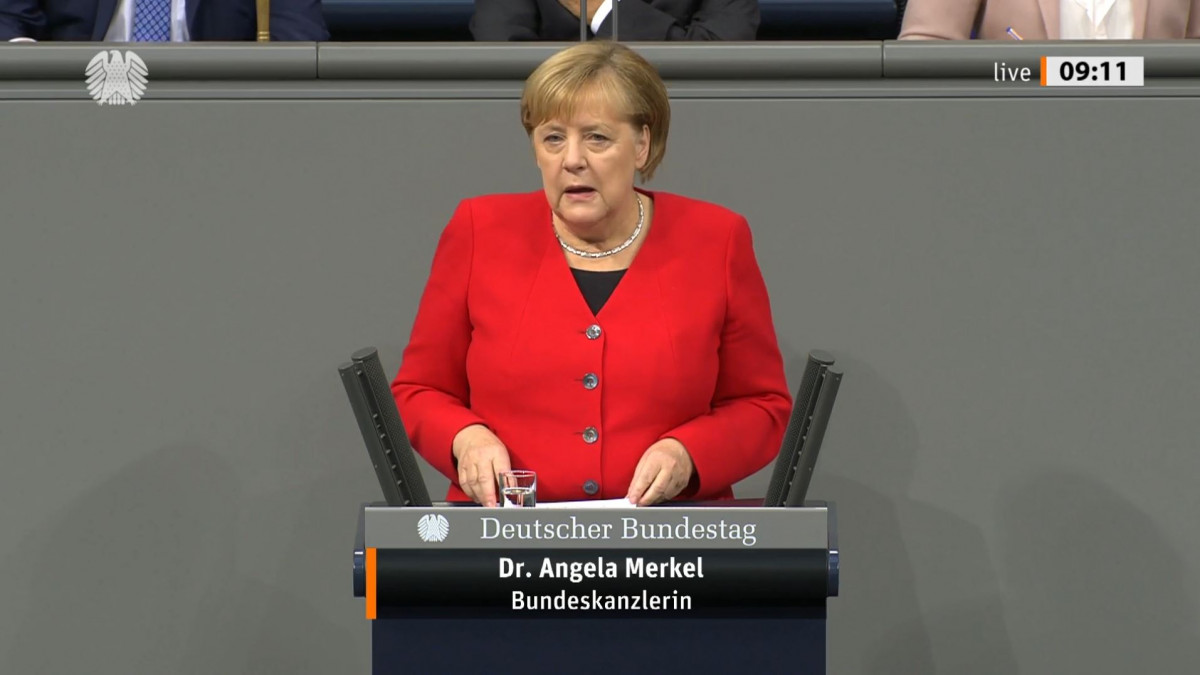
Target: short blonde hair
[[618, 74]]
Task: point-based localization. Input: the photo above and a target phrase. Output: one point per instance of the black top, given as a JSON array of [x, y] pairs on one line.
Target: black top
[[597, 287]]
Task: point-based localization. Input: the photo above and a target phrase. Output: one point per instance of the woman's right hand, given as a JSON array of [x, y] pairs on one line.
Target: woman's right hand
[[481, 457]]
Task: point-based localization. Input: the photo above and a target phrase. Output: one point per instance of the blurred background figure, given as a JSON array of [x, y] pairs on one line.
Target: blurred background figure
[[1051, 19], [641, 20], [157, 20]]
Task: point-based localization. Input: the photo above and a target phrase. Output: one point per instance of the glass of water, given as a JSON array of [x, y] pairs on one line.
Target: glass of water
[[518, 488]]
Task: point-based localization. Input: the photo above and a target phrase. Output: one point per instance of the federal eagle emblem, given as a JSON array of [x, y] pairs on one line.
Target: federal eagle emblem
[[116, 79], [433, 528]]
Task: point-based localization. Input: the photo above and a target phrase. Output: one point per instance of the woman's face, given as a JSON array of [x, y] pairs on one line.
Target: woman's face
[[588, 164]]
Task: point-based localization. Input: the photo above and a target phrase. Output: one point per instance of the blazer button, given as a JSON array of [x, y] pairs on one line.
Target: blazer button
[[593, 332], [590, 435], [590, 381], [591, 487]]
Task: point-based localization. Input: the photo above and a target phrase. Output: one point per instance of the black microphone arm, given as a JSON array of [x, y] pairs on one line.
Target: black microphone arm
[[382, 430], [806, 459], [800, 424]]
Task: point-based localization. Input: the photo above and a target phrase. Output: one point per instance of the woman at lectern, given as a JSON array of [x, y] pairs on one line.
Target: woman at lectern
[[618, 341]]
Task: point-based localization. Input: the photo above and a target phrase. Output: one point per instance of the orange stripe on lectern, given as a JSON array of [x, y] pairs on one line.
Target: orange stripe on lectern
[[371, 583], [1043, 71]]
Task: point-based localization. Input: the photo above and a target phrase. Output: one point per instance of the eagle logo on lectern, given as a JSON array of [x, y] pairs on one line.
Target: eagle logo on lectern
[[433, 528], [116, 79]]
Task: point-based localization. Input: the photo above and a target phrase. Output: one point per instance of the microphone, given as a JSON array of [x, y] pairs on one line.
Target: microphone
[[807, 460], [811, 409], [383, 432]]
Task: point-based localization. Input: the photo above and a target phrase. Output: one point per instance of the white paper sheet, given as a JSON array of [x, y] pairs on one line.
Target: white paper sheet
[[621, 503]]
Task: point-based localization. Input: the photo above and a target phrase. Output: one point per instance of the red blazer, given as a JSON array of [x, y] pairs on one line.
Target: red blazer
[[684, 348]]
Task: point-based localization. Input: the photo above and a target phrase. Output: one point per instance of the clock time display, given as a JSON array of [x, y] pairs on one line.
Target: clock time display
[[1093, 71]]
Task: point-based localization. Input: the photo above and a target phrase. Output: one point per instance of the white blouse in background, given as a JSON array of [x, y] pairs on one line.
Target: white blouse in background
[[1096, 19]]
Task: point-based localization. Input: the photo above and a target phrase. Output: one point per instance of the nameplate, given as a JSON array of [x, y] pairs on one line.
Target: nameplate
[[691, 528]]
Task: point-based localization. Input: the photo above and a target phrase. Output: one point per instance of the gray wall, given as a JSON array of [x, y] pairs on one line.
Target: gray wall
[[1008, 280]]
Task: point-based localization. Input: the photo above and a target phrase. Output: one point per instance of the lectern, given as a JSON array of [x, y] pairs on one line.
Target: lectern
[[702, 588]]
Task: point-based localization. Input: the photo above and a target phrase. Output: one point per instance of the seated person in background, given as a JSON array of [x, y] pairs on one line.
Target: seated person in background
[[641, 20], [1051, 19], [157, 20], [617, 341]]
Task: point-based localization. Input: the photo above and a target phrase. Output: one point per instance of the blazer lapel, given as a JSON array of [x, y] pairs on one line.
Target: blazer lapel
[[192, 6], [104, 16], [555, 291], [641, 277], [1050, 18]]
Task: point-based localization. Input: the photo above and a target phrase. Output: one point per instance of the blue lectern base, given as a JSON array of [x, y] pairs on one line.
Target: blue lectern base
[[530, 646]]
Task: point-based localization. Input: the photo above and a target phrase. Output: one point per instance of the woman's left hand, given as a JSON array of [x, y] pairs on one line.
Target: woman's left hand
[[663, 472]]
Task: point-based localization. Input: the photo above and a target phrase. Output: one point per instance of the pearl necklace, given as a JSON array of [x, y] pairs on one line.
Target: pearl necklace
[[612, 251]]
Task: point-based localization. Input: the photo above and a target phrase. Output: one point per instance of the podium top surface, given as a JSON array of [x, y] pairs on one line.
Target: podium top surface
[[660, 527]]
